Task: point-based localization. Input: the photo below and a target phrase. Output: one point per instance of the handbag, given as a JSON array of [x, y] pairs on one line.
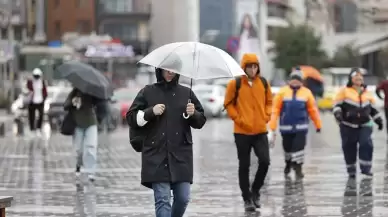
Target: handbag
[[68, 124]]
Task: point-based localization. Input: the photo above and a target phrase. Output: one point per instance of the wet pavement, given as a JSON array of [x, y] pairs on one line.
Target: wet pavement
[[40, 176]]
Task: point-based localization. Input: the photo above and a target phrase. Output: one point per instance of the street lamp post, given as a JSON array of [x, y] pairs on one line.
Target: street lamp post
[[11, 47], [263, 29]]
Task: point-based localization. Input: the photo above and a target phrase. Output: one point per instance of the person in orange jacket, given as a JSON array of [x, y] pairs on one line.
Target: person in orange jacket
[[293, 105], [248, 101]]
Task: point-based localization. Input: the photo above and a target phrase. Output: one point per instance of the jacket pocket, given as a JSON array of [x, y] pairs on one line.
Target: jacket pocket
[[188, 139]]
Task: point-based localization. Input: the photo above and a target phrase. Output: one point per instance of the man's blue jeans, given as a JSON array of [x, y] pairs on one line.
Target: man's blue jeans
[[162, 195]]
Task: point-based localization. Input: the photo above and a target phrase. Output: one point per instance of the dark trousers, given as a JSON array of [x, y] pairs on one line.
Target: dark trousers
[[32, 108], [259, 144], [357, 140], [293, 146]]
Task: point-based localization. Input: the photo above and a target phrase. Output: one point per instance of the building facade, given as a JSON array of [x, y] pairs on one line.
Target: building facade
[[36, 26], [373, 15], [69, 16], [13, 19], [126, 20], [216, 22]]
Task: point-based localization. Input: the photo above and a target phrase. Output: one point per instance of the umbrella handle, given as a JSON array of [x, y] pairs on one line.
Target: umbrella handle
[[186, 116]]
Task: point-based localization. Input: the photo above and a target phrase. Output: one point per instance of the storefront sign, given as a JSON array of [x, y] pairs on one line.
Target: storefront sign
[[109, 50]]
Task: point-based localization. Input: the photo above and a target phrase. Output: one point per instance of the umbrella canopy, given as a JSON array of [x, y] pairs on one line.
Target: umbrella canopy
[[86, 79], [311, 72], [194, 60]]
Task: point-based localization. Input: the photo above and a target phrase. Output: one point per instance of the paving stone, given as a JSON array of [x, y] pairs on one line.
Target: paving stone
[[40, 176]]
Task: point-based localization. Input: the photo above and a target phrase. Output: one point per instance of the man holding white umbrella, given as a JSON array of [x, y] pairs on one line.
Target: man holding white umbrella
[[161, 118]]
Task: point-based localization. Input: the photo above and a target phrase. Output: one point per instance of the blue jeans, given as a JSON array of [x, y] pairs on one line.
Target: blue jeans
[[162, 195], [357, 140], [85, 141]]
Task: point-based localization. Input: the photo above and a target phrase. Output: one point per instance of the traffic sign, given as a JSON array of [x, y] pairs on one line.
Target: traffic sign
[[233, 44]]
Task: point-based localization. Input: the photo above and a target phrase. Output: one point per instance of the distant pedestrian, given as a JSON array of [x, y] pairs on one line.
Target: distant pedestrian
[[85, 137], [167, 152], [355, 112], [248, 101], [383, 86], [36, 100], [293, 106]]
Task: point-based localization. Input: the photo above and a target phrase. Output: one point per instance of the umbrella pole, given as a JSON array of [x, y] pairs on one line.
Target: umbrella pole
[[186, 116]]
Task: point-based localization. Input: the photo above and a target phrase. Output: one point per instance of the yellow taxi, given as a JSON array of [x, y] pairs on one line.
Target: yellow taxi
[[327, 101]]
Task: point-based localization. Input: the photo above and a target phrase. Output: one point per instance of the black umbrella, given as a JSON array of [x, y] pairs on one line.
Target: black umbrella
[[86, 79]]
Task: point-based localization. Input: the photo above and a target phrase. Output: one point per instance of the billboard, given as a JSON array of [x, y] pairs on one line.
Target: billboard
[[247, 27]]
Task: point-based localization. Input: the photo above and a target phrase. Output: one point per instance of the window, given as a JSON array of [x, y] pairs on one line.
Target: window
[[118, 6], [83, 26], [58, 30], [126, 31], [276, 10], [81, 3], [57, 3]]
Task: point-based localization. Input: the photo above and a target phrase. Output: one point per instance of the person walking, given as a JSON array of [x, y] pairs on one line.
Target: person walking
[[248, 102], [355, 112], [383, 87], [85, 137], [293, 105], [167, 152], [36, 99]]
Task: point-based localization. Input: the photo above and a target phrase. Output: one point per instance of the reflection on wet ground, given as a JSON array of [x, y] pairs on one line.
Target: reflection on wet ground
[[40, 176]]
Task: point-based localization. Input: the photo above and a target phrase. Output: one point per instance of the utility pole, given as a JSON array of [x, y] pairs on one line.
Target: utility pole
[[11, 61], [306, 23], [263, 30]]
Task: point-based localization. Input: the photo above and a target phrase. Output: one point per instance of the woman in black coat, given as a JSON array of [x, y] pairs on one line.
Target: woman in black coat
[[167, 153]]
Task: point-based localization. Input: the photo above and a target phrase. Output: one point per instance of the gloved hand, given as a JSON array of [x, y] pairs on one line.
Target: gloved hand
[[379, 123], [381, 127], [318, 130], [271, 138]]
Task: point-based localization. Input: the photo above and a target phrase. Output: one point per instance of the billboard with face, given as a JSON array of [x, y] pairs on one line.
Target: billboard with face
[[247, 28]]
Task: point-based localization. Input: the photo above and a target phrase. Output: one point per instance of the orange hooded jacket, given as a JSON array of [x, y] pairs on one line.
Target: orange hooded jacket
[[252, 110]]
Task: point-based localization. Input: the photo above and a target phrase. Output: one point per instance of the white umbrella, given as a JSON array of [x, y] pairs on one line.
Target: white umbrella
[[194, 60]]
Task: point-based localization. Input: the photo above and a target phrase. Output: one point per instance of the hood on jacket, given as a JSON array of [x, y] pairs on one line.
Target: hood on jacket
[[173, 62], [353, 72], [160, 79], [249, 58]]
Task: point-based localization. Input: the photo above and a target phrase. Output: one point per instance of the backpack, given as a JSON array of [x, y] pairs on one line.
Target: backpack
[[137, 135], [238, 86], [136, 138]]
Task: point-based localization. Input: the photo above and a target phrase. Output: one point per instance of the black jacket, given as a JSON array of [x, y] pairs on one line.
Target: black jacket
[[167, 154]]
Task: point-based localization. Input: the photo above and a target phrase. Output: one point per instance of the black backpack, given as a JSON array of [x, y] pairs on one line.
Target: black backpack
[[137, 137], [238, 86]]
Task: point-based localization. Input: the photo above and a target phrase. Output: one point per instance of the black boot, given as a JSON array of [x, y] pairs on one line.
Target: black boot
[[249, 206], [287, 169], [256, 198], [298, 171]]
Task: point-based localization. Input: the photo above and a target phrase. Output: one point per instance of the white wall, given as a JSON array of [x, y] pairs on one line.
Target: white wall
[[173, 21]]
